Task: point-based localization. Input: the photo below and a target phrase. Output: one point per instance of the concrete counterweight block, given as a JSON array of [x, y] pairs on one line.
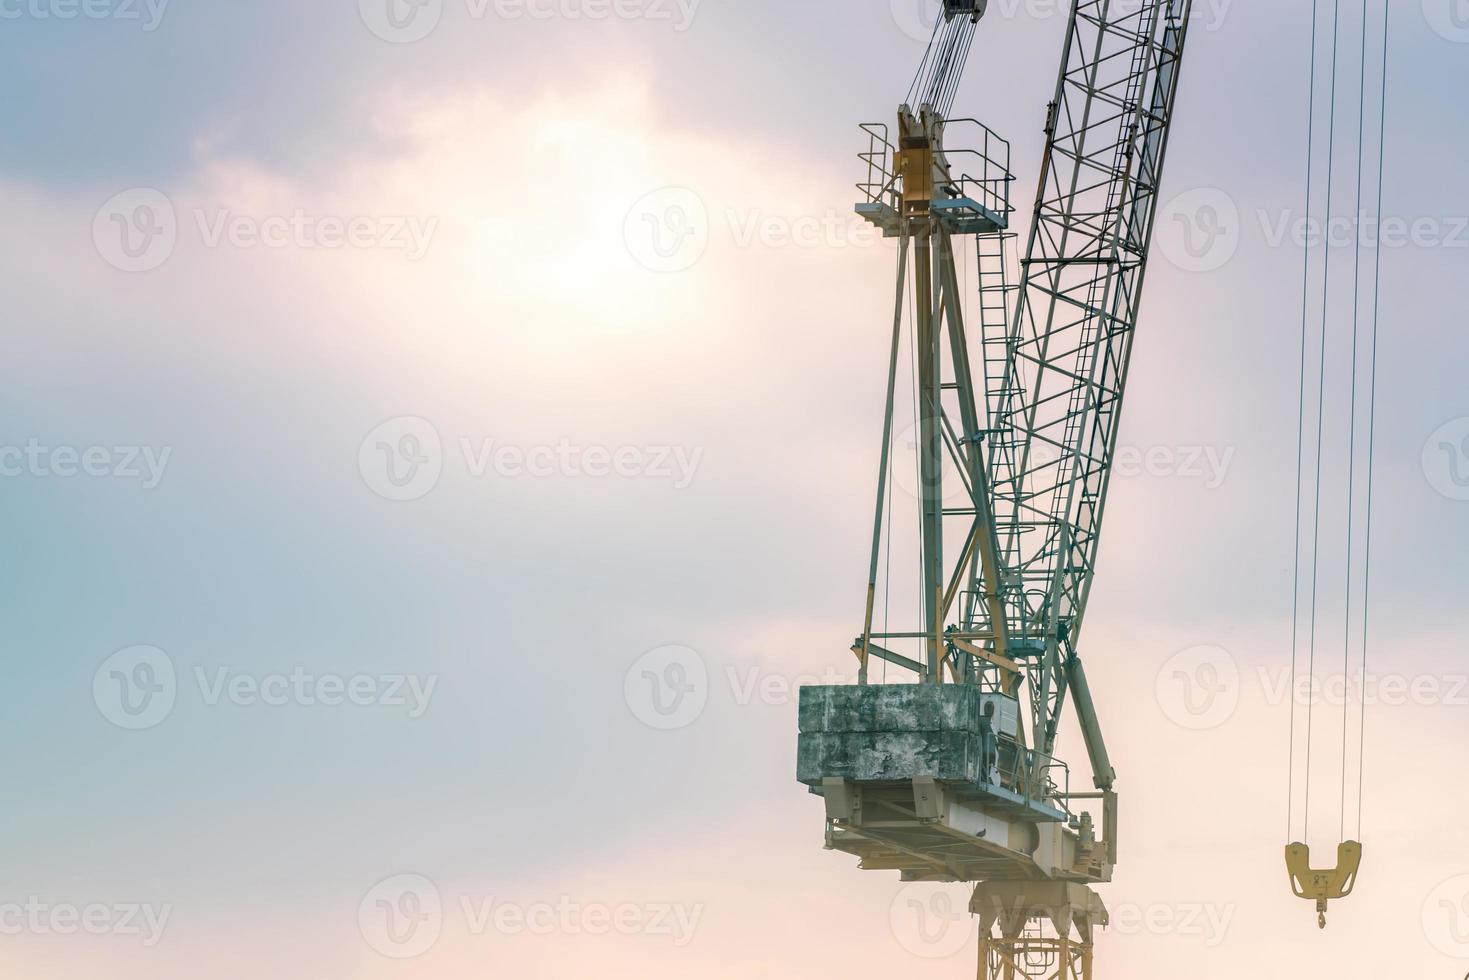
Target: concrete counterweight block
[[890, 733]]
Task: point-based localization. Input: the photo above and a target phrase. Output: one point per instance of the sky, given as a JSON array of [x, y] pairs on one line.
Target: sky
[[439, 439]]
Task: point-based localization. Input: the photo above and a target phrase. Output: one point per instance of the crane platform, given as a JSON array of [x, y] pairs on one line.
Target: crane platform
[[916, 779], [959, 215], [969, 184]]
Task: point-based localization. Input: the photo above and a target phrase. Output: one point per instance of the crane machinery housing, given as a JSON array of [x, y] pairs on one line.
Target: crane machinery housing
[[953, 776]]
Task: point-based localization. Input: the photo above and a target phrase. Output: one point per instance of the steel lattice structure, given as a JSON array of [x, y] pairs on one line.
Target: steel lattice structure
[[949, 781], [1055, 409]]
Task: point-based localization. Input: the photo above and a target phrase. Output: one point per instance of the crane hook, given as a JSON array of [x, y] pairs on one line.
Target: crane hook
[[1323, 886]]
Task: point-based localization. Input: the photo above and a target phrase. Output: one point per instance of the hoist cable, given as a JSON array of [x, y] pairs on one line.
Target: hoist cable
[[1321, 400], [1346, 639], [1301, 427], [887, 575], [1372, 411], [923, 65], [1321, 404], [920, 449]]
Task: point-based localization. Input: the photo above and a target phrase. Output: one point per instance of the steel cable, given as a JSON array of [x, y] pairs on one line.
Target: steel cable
[[1301, 425], [1321, 405], [1372, 410]]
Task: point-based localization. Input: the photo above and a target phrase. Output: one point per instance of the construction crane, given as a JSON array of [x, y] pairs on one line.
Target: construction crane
[[953, 776]]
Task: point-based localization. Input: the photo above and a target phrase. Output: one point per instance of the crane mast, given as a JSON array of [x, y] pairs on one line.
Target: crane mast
[[953, 777]]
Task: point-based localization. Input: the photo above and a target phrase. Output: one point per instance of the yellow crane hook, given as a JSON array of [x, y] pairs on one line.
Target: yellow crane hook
[[1323, 886]]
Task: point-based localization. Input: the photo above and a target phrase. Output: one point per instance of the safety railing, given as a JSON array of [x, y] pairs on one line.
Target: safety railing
[[1032, 774], [973, 165], [979, 165], [880, 187]]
